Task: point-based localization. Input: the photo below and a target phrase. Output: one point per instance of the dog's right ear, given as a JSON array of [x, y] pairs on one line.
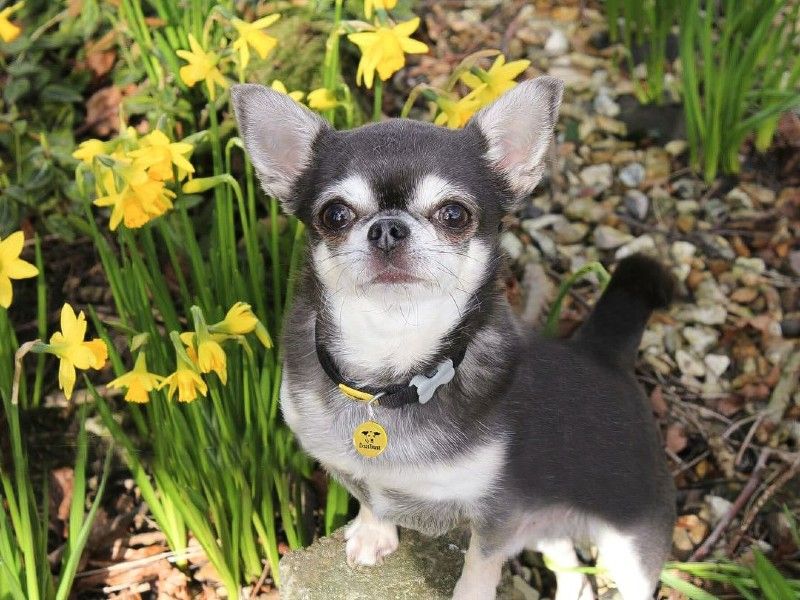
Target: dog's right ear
[[278, 134]]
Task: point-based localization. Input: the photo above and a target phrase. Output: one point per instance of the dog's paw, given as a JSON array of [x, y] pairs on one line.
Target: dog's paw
[[369, 541]]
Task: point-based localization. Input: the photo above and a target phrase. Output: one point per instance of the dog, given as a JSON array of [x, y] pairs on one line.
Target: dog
[[407, 376]]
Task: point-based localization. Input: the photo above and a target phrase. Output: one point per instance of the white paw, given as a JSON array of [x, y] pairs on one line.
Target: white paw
[[369, 541]]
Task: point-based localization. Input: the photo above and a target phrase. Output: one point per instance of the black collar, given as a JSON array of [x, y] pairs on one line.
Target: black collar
[[419, 389]]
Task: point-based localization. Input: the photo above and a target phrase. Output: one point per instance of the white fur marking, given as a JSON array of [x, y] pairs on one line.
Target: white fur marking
[[369, 540], [354, 190]]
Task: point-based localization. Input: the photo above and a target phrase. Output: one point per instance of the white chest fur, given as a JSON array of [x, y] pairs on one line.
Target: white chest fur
[[408, 466]]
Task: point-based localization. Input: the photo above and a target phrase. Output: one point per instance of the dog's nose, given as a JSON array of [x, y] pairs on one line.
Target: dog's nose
[[385, 234]]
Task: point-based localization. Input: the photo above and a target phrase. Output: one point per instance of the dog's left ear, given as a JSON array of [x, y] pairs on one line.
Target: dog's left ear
[[518, 128]]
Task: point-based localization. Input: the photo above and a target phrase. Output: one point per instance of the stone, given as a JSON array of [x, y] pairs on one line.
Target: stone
[[544, 243], [656, 163], [717, 363], [542, 222], [686, 187], [612, 126], [758, 193], [643, 243], [687, 207], [689, 364], [705, 314], [682, 252], [749, 270], [637, 204], [718, 507], [570, 233], [607, 237], [738, 198], [676, 147], [632, 175], [512, 245], [573, 78], [597, 177], [556, 44], [422, 568], [604, 104], [701, 339], [585, 209]]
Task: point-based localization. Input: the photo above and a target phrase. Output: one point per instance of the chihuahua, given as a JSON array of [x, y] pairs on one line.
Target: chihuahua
[[408, 377]]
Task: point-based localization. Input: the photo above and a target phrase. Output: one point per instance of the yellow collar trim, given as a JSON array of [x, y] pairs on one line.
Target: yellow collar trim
[[355, 394]]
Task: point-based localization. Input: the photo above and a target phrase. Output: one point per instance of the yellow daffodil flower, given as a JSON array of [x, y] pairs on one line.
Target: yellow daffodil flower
[[99, 352], [206, 353], [156, 145], [240, 320], [384, 49], [139, 381], [141, 198], [278, 86], [8, 31], [12, 266], [211, 357], [456, 113], [322, 99], [88, 150], [75, 353], [496, 81], [202, 66], [187, 382], [250, 34], [370, 5]]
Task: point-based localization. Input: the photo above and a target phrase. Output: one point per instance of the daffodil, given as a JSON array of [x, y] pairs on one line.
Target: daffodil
[[369, 5], [490, 85], [88, 150], [156, 145], [75, 353], [279, 86], [240, 320], [384, 49], [12, 266], [141, 197], [206, 353], [185, 380], [322, 99], [250, 34], [456, 113], [202, 67], [139, 381], [8, 31]]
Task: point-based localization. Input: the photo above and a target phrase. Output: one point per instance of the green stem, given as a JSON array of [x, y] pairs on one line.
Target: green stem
[[378, 101]]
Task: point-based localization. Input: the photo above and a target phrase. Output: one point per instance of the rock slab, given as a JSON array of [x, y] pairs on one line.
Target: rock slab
[[422, 568]]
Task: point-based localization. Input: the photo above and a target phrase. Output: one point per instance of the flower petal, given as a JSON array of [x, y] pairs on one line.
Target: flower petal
[[6, 291], [20, 269]]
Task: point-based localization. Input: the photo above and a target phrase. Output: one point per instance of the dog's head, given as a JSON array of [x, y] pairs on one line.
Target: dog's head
[[400, 203]]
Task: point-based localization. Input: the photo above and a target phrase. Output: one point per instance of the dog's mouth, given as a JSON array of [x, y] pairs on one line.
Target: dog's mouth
[[391, 274]]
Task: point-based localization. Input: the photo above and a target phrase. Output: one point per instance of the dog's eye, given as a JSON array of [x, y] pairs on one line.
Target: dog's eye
[[453, 216], [336, 216]]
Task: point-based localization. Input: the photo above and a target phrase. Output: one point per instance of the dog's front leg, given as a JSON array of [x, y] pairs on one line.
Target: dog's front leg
[[369, 539], [481, 574]]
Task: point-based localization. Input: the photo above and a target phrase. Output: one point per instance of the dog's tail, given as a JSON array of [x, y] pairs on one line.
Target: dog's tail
[[614, 329]]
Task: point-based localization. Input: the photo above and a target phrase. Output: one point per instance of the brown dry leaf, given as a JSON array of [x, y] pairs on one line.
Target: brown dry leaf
[[102, 109], [676, 438], [74, 8], [61, 486], [101, 62], [658, 403], [173, 585]]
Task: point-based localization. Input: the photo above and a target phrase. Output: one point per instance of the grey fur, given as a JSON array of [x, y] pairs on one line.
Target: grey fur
[[580, 450]]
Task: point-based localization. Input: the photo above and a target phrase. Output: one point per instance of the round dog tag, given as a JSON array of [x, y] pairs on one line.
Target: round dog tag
[[370, 439]]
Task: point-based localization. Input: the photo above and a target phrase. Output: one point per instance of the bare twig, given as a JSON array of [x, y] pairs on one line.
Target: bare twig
[[790, 472], [747, 491], [260, 582]]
